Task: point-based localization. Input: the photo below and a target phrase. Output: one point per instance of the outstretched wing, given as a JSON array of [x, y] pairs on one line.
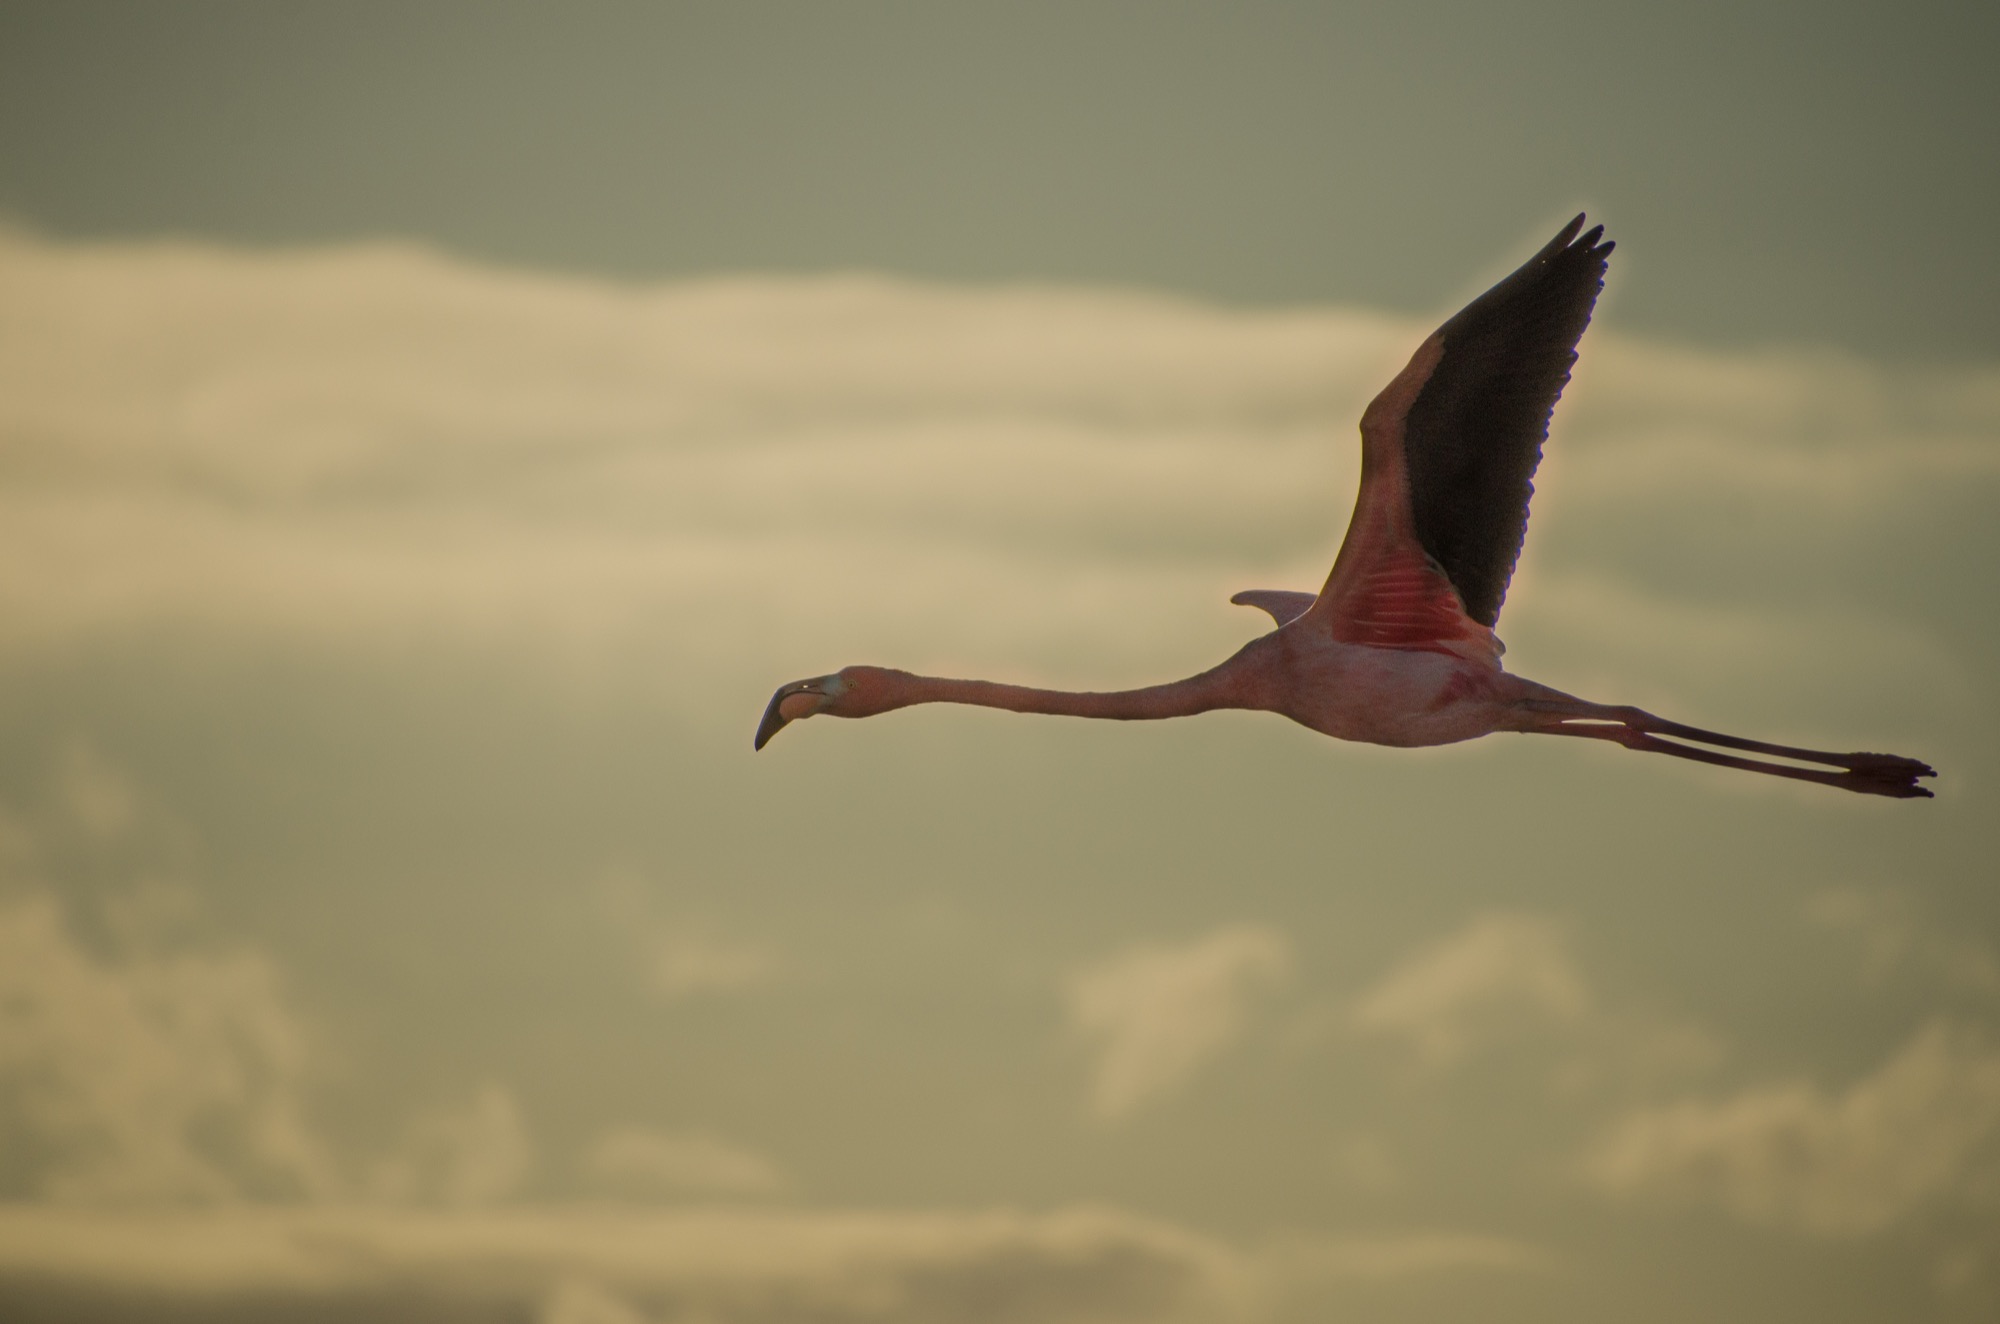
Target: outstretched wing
[[1448, 455]]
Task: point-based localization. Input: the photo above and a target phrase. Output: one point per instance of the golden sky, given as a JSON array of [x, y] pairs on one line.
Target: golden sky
[[394, 918]]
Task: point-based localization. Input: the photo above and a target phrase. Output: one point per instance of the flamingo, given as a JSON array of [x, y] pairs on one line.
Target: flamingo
[[1398, 648]]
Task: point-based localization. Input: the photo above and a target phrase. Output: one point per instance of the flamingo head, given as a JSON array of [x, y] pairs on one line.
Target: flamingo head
[[849, 692], [801, 698]]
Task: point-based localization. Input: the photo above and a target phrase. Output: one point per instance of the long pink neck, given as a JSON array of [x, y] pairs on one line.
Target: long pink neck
[[1221, 687]]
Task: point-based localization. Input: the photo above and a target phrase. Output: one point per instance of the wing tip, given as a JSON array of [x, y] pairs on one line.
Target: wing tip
[[1571, 242], [1576, 239], [1573, 235]]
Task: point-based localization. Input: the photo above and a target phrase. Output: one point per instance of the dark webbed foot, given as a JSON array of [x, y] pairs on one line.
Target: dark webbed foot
[[1886, 774]]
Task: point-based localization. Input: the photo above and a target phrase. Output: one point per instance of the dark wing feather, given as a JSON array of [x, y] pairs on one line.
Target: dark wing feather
[[1474, 433]]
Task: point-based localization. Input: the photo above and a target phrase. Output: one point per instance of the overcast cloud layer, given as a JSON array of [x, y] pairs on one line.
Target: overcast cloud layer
[[393, 912]]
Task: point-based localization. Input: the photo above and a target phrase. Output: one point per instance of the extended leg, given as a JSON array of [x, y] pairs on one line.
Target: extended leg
[[1634, 728]]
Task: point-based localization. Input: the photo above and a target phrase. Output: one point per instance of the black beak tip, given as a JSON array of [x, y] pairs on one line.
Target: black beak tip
[[773, 722]]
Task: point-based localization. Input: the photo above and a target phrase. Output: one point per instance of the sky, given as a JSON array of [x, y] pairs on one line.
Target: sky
[[427, 436]]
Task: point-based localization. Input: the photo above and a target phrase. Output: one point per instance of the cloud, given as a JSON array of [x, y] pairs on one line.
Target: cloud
[[1893, 936], [689, 963], [614, 1265], [95, 794], [572, 1266], [473, 1154], [1157, 1013], [149, 1075], [1497, 972], [140, 1071], [360, 445], [1512, 980], [682, 956], [1407, 1256], [1602, 622], [1918, 1131], [1367, 1163], [406, 442], [636, 1160]]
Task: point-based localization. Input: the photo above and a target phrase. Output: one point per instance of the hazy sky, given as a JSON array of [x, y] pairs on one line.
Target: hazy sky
[[427, 436], [1777, 171]]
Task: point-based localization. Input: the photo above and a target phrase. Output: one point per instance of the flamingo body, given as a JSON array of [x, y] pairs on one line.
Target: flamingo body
[[1397, 648], [1380, 696]]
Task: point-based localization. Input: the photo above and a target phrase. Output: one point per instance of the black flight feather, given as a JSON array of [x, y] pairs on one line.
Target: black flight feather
[[1474, 433]]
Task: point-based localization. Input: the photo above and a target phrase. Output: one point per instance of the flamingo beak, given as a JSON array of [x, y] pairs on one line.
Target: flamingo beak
[[801, 698]]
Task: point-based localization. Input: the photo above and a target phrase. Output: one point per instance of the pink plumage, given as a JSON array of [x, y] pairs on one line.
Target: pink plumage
[[1398, 647]]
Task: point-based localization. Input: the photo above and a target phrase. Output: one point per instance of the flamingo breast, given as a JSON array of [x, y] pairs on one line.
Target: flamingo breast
[[1389, 696]]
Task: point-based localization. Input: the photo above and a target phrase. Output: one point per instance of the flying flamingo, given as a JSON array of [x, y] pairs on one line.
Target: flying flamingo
[[1398, 648]]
